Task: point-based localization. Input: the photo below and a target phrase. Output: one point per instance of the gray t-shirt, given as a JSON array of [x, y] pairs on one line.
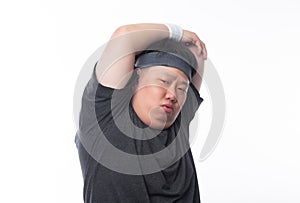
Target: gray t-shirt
[[125, 161]]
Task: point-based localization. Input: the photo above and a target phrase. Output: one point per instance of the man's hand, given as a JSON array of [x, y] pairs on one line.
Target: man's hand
[[197, 47], [194, 43]]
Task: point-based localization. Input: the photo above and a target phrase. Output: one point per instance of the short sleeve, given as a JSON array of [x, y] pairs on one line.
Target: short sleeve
[[98, 101], [191, 104]]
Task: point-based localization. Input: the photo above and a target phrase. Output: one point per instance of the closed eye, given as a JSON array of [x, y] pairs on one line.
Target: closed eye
[[183, 89], [164, 81]]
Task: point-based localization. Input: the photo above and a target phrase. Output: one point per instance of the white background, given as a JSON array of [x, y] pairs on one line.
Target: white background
[[254, 46]]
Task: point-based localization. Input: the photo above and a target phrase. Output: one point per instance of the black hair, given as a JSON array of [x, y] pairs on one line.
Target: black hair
[[173, 47]]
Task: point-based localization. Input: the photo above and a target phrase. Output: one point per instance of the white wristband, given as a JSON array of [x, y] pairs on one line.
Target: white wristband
[[175, 31]]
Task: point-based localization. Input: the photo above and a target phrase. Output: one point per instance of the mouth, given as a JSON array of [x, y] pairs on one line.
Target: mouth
[[167, 108]]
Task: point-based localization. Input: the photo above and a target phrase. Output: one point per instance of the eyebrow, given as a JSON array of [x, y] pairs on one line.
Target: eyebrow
[[173, 76]]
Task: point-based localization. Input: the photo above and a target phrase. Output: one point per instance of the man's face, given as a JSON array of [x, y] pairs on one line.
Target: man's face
[[161, 92]]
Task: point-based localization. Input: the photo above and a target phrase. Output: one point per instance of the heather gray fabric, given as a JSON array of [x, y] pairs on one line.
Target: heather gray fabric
[[176, 183]]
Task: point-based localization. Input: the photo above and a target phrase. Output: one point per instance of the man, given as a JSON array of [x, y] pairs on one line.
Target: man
[[134, 122]]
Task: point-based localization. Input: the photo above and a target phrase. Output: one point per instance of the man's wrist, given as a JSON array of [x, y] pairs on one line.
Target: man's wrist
[[175, 31]]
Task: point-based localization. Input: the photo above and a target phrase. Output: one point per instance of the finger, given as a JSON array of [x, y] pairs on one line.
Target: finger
[[202, 48], [203, 51], [194, 39]]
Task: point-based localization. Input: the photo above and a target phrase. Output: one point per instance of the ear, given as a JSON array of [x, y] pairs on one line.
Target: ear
[[139, 72], [138, 76]]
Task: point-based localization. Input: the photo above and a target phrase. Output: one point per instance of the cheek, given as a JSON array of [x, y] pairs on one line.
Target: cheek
[[149, 96], [181, 100]]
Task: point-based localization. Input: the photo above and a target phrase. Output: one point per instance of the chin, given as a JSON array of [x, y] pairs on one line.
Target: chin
[[168, 125], [158, 125]]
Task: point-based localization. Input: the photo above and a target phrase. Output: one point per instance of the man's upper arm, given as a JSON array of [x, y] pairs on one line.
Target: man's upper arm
[[115, 66]]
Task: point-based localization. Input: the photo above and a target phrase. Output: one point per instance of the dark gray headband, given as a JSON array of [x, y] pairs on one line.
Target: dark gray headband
[[159, 58]]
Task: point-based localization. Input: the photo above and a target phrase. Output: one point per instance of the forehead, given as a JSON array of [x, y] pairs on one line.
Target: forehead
[[166, 71]]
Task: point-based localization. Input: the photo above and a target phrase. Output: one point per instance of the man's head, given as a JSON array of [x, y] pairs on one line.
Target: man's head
[[164, 72]]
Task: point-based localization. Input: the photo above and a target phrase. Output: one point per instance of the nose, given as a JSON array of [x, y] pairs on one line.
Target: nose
[[171, 95]]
